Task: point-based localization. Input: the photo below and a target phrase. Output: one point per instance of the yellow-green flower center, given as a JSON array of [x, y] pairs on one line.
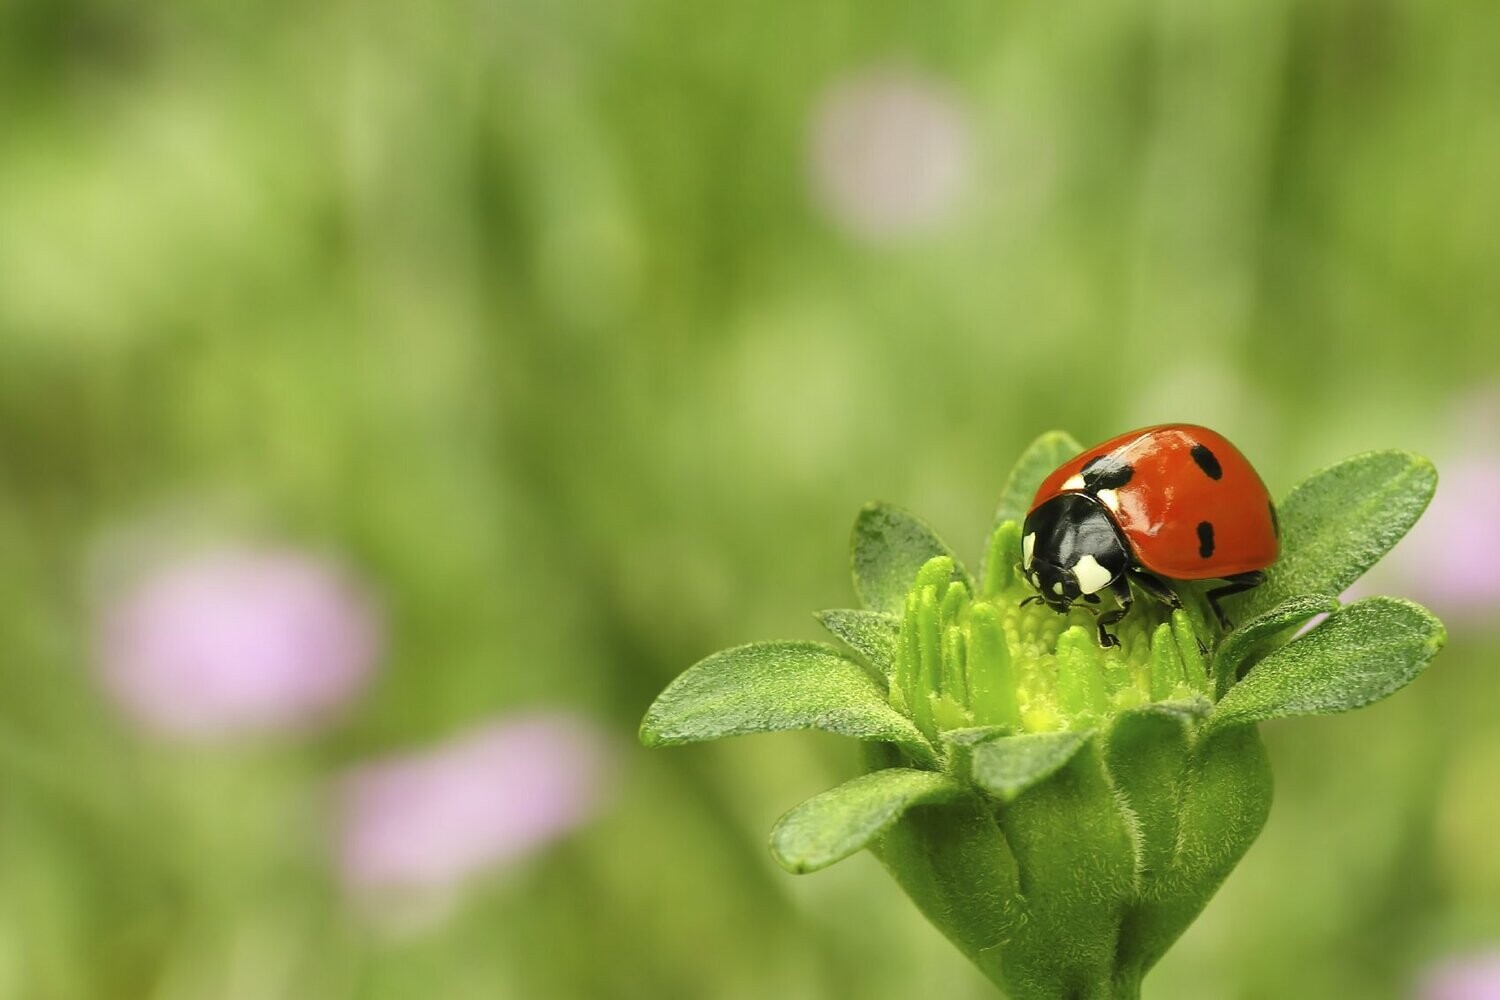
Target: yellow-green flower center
[[984, 660]]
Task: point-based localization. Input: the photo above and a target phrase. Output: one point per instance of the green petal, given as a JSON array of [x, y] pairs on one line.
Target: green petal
[[1042, 456], [888, 547], [1337, 523], [1359, 655], [1008, 766], [871, 634], [1255, 636], [843, 820], [776, 686]]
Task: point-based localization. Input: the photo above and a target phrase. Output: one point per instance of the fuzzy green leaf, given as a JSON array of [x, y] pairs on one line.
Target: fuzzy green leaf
[[1257, 635], [1359, 655], [1073, 844], [1036, 462], [1338, 522], [777, 686], [1223, 797], [1008, 766], [871, 634], [843, 820], [888, 547], [1146, 751], [954, 863], [1042, 456]]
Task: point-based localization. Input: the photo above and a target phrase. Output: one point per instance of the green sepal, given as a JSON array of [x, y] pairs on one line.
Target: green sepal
[[887, 548], [871, 634], [777, 686], [1074, 846], [1338, 522], [954, 864], [1255, 637], [844, 820], [1006, 766], [1362, 653], [1146, 751], [1224, 795]]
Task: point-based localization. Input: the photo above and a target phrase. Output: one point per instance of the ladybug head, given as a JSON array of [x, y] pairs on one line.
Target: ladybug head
[[1057, 587], [1070, 549]]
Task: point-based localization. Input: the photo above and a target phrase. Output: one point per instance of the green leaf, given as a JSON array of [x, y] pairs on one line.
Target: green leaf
[[1359, 655], [1146, 752], [1225, 796], [871, 634], [888, 547], [1337, 523], [1073, 844], [1008, 766], [843, 820], [1257, 635], [777, 686], [1036, 462], [1039, 459], [954, 863]]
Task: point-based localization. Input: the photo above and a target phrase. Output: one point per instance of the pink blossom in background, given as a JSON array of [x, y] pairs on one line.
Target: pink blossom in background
[[430, 820], [890, 152], [1475, 977], [1452, 555], [1451, 559], [237, 641]]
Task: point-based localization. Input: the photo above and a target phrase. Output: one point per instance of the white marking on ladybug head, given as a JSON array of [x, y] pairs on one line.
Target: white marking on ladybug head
[[1028, 546], [1074, 482], [1057, 588], [1110, 499], [1092, 577]]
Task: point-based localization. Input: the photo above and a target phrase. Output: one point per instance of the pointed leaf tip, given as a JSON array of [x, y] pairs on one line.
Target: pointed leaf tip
[[871, 634], [775, 687], [1366, 651], [1340, 521], [1039, 458], [887, 549], [1256, 636], [1008, 766], [844, 820]]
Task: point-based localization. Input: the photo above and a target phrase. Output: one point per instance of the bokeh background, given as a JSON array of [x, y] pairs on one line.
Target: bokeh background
[[395, 395]]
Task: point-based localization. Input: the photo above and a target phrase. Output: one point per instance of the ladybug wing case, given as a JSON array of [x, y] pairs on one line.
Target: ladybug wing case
[[1191, 506]]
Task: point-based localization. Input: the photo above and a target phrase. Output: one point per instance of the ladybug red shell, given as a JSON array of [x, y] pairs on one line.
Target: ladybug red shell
[[1175, 501]]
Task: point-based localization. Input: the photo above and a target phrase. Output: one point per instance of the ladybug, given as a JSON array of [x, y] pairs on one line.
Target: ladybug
[[1165, 503]]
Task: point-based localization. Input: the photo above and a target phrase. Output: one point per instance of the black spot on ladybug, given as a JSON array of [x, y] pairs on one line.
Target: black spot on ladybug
[[1205, 539], [1106, 472], [1207, 461], [1275, 521]]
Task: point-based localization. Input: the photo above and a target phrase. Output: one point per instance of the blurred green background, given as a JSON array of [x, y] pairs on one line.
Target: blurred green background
[[579, 331]]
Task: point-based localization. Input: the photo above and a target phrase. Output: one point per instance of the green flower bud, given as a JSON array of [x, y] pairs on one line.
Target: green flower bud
[[1059, 810]]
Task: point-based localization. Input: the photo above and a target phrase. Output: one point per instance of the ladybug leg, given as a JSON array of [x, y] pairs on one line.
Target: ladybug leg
[[1121, 589], [1237, 584], [1156, 587]]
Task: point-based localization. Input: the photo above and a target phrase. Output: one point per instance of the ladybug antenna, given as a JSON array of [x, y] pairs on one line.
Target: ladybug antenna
[[1033, 599]]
